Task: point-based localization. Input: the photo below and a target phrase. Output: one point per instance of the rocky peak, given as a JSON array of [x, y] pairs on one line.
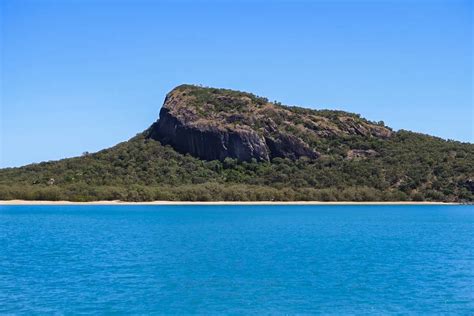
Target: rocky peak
[[218, 123]]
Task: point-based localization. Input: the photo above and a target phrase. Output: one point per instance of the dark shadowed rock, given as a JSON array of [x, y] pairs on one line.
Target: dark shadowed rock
[[208, 142], [288, 146]]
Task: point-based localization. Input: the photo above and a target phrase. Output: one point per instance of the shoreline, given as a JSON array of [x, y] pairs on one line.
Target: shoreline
[[117, 202]]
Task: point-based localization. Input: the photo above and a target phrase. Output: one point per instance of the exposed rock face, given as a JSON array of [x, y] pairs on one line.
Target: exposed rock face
[[353, 127], [214, 124], [209, 143], [288, 146]]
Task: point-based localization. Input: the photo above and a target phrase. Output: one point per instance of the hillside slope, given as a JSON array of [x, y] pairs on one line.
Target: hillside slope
[[218, 144]]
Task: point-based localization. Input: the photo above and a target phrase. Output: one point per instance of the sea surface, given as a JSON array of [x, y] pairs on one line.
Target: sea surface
[[237, 259]]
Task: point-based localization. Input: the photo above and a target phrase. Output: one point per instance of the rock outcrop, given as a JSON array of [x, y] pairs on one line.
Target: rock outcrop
[[214, 124], [208, 142]]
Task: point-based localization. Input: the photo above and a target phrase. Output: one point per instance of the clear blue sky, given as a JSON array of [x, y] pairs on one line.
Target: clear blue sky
[[84, 75]]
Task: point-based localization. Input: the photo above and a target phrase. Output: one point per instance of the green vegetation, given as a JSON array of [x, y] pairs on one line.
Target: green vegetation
[[358, 160], [408, 166]]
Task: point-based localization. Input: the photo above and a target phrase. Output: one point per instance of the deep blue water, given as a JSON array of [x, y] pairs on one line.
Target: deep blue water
[[237, 259]]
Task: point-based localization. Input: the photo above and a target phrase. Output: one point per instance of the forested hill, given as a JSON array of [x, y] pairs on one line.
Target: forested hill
[[217, 144]]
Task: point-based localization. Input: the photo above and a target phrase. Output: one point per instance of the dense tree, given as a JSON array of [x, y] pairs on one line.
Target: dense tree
[[409, 166]]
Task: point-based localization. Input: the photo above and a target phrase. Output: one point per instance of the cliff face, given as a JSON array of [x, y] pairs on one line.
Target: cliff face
[[208, 142], [213, 124]]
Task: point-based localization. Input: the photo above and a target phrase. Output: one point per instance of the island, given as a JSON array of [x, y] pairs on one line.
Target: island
[[212, 144]]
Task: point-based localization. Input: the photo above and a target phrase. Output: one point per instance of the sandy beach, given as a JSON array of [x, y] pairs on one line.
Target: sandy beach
[[116, 202]]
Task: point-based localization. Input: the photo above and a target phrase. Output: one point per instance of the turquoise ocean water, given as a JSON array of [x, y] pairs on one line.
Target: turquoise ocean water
[[237, 259]]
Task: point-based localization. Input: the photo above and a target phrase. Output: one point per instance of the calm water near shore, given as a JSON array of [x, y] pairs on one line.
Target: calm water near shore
[[237, 259]]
